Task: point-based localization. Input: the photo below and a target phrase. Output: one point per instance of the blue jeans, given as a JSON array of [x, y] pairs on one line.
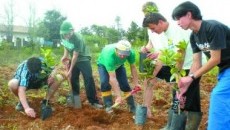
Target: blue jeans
[[120, 75], [219, 111]]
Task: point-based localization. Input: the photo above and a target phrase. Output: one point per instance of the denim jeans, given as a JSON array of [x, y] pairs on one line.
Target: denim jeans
[[120, 75], [86, 70]]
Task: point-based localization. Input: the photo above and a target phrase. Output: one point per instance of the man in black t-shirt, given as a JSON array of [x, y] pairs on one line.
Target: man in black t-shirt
[[212, 38]]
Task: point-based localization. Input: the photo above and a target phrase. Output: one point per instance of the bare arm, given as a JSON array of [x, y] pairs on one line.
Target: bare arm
[[196, 62], [147, 47], [114, 83], [22, 97], [65, 55], [211, 63], [73, 60], [134, 74]]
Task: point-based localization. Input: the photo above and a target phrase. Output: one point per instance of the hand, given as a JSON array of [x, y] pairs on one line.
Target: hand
[[183, 85], [69, 74], [153, 55], [118, 100], [181, 99], [30, 112], [144, 49]]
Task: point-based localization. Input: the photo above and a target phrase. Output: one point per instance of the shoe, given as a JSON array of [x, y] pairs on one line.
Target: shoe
[[97, 105], [19, 107]]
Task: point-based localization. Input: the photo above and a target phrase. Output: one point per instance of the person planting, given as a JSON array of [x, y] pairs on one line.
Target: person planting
[[32, 73], [74, 46], [213, 39], [113, 73], [175, 39]]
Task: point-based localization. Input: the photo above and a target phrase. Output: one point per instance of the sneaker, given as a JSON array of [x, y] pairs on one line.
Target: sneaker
[[97, 105], [19, 107], [108, 110]]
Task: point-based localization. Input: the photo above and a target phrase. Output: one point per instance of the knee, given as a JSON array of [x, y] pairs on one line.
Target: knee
[[13, 84]]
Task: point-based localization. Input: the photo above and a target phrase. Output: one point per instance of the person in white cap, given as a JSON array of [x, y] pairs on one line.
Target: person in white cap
[[113, 73]]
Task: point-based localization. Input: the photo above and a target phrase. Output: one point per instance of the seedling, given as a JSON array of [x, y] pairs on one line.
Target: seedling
[[174, 60]]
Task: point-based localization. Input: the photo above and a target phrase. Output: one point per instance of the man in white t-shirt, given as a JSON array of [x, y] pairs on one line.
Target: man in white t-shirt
[[158, 24]]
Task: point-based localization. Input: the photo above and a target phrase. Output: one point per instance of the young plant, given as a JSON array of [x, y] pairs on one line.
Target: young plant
[[51, 67], [149, 66], [175, 60]]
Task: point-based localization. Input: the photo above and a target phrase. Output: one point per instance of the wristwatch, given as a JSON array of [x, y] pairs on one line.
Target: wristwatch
[[192, 76]]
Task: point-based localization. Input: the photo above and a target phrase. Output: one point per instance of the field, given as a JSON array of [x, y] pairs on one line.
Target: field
[[87, 118]]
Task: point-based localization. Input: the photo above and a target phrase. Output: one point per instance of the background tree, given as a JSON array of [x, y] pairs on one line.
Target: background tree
[[137, 34], [9, 19], [49, 27]]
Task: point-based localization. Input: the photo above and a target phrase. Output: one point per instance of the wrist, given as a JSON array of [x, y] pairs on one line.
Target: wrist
[[191, 75]]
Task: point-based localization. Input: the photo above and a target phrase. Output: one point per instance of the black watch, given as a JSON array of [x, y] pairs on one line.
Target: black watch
[[192, 76]]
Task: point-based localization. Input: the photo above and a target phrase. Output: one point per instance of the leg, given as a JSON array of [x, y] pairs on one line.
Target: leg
[[75, 84], [192, 105], [105, 86], [124, 85], [219, 114], [13, 85], [148, 96], [74, 81], [86, 70]]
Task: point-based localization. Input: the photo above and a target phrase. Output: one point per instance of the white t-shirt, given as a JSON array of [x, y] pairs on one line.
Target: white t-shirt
[[175, 34]]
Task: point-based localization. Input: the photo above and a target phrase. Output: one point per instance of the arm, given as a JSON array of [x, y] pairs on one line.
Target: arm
[[115, 86], [147, 47], [196, 62], [211, 63], [22, 97], [73, 61], [134, 74], [65, 55], [158, 67]]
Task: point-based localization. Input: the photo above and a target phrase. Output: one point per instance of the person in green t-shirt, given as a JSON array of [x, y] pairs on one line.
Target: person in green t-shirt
[[75, 47], [113, 74]]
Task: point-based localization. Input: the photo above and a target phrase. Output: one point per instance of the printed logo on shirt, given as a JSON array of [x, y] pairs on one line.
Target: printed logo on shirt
[[204, 47]]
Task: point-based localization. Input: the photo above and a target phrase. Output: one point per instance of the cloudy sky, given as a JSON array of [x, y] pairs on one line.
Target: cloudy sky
[[103, 12]]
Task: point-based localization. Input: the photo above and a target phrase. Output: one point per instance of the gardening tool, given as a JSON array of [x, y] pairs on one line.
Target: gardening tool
[[168, 125], [140, 115], [134, 91], [178, 121], [74, 99], [141, 65], [46, 110]]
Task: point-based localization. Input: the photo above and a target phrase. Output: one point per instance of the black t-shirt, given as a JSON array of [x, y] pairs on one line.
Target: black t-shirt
[[213, 35]]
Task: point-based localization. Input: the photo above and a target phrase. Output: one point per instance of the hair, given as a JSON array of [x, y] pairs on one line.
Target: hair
[[185, 7], [34, 64], [149, 7], [153, 18]]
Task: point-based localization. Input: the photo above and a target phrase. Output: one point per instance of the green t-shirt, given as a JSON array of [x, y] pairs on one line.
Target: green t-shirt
[[111, 60], [76, 43]]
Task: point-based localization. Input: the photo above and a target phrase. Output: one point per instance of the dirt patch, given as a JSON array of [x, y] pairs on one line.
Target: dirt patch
[[88, 118]]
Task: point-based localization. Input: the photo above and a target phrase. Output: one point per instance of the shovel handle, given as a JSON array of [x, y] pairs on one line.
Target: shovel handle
[[134, 91]]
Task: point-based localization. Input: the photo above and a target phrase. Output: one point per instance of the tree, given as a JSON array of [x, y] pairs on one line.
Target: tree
[[136, 33], [49, 27], [9, 17]]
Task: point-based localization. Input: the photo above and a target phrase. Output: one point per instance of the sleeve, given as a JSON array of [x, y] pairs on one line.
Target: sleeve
[[217, 38], [78, 43], [131, 58], [195, 48], [24, 77]]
